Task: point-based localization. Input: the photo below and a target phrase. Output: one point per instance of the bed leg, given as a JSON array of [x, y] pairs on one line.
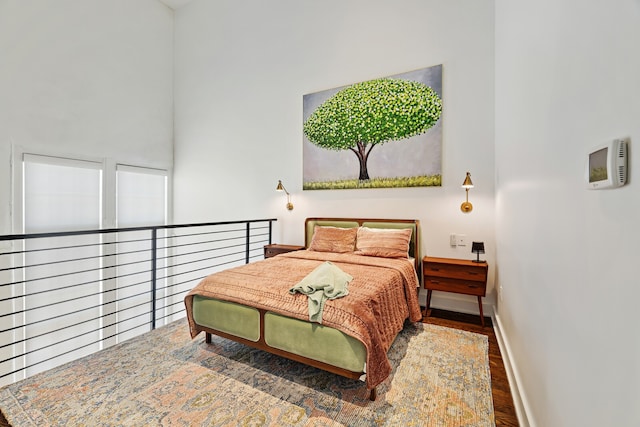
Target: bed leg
[[373, 394], [207, 337]]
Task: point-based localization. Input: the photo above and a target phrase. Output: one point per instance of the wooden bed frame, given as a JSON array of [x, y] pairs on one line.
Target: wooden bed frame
[[261, 344]]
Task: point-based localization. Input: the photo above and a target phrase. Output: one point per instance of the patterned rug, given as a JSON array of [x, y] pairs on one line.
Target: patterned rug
[[440, 378]]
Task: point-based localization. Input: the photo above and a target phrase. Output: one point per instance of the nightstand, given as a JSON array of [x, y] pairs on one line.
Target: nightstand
[[455, 275], [276, 248]]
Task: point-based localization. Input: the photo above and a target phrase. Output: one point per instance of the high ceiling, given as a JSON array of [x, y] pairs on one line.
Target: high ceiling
[[175, 4]]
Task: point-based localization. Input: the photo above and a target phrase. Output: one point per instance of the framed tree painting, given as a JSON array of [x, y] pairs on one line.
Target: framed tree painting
[[379, 133]]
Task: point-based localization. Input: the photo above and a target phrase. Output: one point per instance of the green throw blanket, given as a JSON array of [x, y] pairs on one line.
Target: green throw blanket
[[327, 281]]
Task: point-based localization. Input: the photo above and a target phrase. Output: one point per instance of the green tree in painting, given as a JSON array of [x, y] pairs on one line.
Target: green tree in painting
[[370, 113]]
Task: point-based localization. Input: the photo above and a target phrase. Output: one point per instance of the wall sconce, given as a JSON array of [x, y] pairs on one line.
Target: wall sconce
[[467, 207], [280, 187], [477, 248]]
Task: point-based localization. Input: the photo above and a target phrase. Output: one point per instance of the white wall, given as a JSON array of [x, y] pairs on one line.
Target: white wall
[[567, 78], [94, 78], [91, 78], [242, 68]]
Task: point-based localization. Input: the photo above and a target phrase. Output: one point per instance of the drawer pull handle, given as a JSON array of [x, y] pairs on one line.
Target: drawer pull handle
[[472, 273], [473, 286], [435, 269], [435, 281]]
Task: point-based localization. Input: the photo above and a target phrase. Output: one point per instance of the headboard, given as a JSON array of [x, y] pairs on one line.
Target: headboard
[[413, 224]]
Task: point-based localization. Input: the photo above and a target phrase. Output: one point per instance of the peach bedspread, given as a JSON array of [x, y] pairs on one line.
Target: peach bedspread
[[382, 295]]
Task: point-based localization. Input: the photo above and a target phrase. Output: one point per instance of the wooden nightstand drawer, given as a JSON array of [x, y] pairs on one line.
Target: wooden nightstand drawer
[[454, 285], [464, 272], [276, 249], [455, 275]]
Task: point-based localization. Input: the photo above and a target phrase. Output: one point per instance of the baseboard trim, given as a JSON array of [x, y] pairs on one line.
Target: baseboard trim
[[523, 410]]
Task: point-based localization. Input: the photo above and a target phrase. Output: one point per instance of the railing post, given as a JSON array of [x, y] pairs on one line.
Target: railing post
[[246, 251], [154, 259]]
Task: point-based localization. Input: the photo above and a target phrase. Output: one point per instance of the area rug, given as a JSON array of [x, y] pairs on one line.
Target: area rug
[[440, 378]]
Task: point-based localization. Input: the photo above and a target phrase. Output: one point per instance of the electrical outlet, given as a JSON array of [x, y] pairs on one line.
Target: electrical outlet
[[452, 240], [461, 240]]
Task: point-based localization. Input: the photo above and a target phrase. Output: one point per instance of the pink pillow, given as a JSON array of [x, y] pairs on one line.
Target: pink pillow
[[383, 242], [333, 239]]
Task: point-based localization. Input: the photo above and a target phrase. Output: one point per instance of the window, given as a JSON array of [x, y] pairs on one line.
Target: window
[[141, 196], [61, 195], [69, 296], [141, 199]]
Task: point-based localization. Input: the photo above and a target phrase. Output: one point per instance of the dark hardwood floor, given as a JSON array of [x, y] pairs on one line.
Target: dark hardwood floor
[[503, 407]]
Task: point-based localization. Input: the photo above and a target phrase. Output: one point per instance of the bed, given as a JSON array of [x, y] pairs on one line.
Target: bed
[[254, 304]]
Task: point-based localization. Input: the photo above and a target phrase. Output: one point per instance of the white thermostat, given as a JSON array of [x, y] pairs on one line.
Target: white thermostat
[[607, 165]]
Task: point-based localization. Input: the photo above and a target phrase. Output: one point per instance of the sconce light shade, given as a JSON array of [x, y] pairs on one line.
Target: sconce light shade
[[280, 187], [477, 248], [467, 207], [467, 181]]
